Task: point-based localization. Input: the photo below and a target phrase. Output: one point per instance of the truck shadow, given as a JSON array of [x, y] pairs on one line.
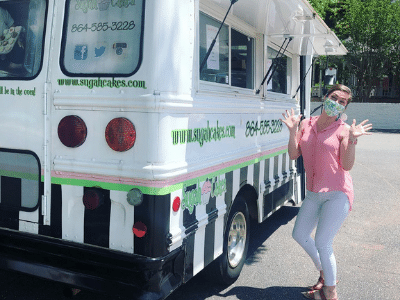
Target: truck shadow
[[200, 287], [270, 293], [259, 233], [239, 292]]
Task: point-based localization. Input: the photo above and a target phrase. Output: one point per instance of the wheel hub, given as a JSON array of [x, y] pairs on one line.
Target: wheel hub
[[237, 239]]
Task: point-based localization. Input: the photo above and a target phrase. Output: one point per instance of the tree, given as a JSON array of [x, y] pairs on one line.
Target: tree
[[370, 30], [331, 11]]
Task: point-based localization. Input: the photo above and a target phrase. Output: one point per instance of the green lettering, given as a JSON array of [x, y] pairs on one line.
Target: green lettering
[[183, 136], [122, 3], [86, 5]]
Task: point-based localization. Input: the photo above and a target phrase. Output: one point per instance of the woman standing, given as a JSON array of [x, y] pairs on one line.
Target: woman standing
[[327, 145]]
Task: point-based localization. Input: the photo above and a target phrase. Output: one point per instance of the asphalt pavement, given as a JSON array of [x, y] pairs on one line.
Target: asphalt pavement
[[367, 247]]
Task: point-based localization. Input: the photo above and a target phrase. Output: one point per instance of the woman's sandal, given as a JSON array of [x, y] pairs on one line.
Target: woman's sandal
[[319, 285], [311, 295]]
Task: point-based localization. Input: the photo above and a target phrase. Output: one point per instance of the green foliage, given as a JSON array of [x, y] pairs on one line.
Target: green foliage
[[329, 10], [370, 30]]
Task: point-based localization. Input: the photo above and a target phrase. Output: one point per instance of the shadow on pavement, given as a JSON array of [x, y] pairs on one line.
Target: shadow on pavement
[[201, 287], [259, 233], [270, 293], [385, 130]]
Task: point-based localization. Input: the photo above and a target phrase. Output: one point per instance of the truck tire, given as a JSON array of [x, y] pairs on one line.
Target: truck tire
[[236, 242]]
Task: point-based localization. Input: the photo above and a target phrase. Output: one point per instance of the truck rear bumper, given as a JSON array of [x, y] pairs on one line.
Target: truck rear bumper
[[90, 267]]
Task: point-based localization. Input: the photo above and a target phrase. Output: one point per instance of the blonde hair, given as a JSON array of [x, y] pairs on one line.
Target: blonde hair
[[343, 88]]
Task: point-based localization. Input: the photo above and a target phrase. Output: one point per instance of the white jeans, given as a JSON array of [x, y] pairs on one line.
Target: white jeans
[[326, 211]]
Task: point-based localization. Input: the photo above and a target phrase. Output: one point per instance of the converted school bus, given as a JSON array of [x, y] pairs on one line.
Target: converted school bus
[[133, 155]]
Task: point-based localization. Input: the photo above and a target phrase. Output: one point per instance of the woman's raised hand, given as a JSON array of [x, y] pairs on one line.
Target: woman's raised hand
[[290, 120], [358, 130]]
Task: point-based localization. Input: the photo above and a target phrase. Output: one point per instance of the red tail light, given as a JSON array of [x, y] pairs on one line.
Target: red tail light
[[72, 131], [139, 229], [120, 134], [92, 199], [176, 204]]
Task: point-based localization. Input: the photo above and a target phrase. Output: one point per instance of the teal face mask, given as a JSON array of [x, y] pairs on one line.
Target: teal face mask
[[332, 108]]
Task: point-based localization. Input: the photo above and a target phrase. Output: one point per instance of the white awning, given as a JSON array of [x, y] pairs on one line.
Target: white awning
[[297, 19], [279, 19]]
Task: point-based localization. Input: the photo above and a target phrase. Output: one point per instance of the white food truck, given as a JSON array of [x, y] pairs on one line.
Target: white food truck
[[139, 137]]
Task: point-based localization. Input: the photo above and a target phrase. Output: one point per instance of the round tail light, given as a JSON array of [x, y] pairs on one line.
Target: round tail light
[[92, 199], [139, 229], [72, 131], [176, 204], [120, 134]]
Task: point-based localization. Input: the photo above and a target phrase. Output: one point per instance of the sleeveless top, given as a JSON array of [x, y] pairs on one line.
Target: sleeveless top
[[321, 156]]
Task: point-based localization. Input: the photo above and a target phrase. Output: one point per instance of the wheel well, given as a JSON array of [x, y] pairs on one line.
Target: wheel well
[[248, 193]]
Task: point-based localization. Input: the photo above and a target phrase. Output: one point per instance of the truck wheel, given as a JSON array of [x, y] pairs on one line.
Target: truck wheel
[[236, 242]]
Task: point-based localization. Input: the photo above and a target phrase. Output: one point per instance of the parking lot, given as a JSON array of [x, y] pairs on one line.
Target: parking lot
[[367, 247]]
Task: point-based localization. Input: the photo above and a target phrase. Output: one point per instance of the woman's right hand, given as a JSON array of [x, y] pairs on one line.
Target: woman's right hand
[[290, 120]]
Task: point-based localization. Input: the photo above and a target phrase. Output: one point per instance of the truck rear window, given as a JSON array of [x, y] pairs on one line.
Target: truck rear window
[[22, 26], [20, 177], [102, 38]]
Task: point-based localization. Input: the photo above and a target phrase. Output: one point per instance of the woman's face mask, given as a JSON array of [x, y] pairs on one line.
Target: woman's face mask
[[332, 108]]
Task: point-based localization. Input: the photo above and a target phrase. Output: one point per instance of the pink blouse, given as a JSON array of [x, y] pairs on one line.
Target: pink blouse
[[321, 151]]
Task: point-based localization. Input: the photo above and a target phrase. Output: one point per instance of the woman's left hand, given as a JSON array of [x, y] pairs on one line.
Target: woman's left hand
[[358, 130]]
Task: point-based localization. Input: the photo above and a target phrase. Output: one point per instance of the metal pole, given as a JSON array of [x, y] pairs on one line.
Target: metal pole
[[300, 164]]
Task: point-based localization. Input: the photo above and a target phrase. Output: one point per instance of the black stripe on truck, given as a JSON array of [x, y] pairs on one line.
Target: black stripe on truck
[[55, 228], [154, 212], [191, 224], [209, 242]]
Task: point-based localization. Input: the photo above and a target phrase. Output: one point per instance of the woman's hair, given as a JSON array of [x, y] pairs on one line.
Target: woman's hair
[[343, 88]]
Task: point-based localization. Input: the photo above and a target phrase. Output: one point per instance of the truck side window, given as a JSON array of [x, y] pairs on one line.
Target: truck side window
[[282, 77], [22, 25], [242, 60], [102, 38], [236, 47], [217, 67]]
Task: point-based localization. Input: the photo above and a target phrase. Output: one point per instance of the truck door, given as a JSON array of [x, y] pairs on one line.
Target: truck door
[[23, 108]]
